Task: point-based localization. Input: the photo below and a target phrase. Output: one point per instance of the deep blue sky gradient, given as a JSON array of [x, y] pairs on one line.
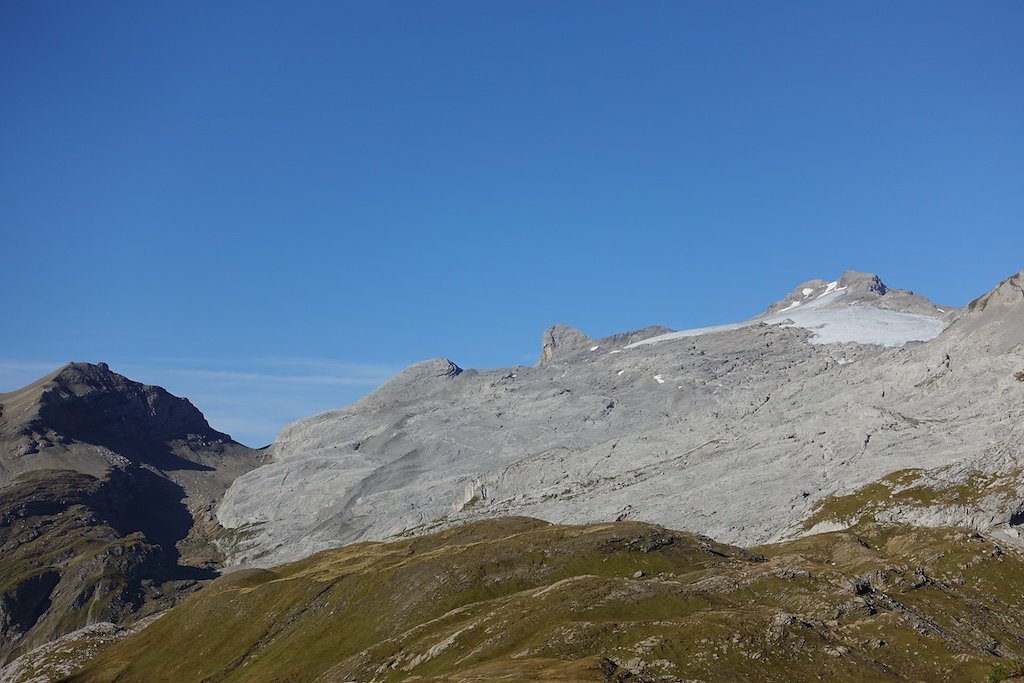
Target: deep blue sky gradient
[[270, 207]]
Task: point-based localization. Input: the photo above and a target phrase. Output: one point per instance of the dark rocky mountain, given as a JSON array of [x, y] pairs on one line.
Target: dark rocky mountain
[[107, 491]]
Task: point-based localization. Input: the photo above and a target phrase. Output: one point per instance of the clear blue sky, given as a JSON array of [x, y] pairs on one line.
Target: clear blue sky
[[270, 207]]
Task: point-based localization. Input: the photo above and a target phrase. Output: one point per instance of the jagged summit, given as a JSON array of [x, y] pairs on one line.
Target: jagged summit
[[85, 401], [88, 418], [854, 287], [92, 397], [561, 340]]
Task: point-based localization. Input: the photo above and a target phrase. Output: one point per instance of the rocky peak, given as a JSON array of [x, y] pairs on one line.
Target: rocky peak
[[560, 341], [862, 283], [83, 399], [854, 287], [1007, 294], [419, 379]]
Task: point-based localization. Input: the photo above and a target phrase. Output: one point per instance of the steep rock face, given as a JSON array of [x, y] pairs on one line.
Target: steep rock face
[[86, 418], [854, 288], [84, 400], [691, 431]]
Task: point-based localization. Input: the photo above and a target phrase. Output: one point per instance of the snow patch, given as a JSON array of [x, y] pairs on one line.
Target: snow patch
[[808, 291], [595, 348], [832, 322], [695, 332], [658, 379]]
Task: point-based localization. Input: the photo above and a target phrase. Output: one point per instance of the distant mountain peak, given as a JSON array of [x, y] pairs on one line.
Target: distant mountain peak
[[863, 282], [560, 340], [91, 397], [995, 320], [1009, 292], [86, 417]]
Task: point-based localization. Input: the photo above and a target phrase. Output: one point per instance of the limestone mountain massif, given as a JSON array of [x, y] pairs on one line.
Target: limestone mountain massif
[[743, 432]]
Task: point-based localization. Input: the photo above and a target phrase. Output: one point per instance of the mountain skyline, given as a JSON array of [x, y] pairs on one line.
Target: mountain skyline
[[192, 189], [254, 398]]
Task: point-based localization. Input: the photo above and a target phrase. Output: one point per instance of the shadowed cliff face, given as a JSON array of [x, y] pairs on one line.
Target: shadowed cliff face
[[75, 549], [90, 403], [107, 491], [86, 417]]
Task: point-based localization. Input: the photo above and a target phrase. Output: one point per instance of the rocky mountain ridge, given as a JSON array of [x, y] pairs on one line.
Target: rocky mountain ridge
[[688, 429]]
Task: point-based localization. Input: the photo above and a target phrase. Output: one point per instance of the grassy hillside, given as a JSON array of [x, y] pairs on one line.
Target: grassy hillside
[[76, 550], [519, 599]]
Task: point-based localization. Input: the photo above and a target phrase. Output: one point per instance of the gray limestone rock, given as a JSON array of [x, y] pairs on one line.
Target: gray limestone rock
[[735, 432], [560, 341]]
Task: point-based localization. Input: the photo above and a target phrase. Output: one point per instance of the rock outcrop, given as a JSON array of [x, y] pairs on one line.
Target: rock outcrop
[[560, 341]]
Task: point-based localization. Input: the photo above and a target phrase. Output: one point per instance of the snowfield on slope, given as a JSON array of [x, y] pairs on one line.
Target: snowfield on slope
[[832, 321]]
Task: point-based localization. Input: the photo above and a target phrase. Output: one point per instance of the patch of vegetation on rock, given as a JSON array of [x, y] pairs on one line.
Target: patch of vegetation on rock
[[911, 489]]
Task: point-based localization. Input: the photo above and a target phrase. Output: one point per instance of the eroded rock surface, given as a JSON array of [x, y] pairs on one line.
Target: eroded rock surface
[[737, 432]]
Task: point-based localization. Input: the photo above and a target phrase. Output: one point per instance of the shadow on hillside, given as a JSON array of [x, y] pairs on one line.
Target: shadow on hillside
[[138, 500]]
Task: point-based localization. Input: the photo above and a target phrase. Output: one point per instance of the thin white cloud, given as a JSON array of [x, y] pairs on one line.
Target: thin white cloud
[[15, 374], [8, 365], [359, 378]]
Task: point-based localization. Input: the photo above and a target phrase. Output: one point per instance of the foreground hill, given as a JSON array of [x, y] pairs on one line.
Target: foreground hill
[[742, 432], [107, 491], [519, 599]]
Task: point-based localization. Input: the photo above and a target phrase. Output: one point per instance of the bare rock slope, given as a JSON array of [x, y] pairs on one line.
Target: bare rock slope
[[747, 433]]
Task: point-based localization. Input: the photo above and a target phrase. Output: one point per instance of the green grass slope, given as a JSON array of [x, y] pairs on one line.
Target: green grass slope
[[518, 599], [72, 554]]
